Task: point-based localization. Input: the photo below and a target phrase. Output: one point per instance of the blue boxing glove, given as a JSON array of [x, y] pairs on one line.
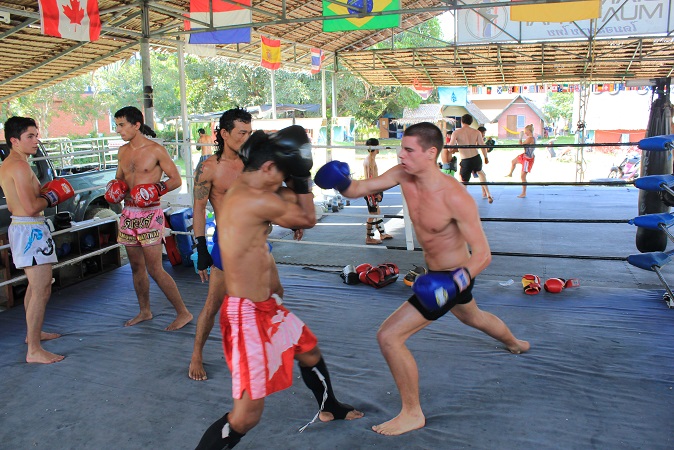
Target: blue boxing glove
[[334, 175], [435, 289]]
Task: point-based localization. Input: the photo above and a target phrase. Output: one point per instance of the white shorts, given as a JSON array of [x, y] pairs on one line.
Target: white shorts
[[31, 242]]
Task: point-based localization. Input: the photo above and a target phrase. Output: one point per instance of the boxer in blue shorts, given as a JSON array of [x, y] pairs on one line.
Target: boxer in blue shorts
[[212, 179]]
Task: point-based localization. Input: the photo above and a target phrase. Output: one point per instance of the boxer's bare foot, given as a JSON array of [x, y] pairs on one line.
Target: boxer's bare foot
[[42, 356], [142, 317], [182, 320], [400, 424], [325, 416], [372, 241], [197, 371], [44, 336], [522, 196], [519, 347]]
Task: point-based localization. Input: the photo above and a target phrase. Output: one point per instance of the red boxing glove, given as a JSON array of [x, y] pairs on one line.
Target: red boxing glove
[[145, 195], [554, 285], [531, 284], [116, 191], [56, 191]]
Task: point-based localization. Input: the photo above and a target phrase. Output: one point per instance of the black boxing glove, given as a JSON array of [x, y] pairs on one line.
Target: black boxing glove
[[292, 151], [204, 259]]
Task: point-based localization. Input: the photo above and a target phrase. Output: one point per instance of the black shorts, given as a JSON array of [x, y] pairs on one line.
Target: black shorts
[[468, 166], [372, 204], [461, 299]]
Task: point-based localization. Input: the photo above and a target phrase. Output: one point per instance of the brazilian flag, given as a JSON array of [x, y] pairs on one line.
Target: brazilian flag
[[354, 8]]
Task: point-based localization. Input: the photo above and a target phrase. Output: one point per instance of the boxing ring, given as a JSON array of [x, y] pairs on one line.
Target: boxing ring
[[599, 374]]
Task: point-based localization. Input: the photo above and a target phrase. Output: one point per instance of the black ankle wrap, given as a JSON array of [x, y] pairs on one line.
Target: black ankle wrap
[[213, 440], [325, 397]]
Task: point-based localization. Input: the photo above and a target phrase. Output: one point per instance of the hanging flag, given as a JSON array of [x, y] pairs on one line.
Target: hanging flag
[[457, 96], [422, 91], [70, 19], [556, 12], [271, 53], [317, 58], [224, 14], [354, 8]]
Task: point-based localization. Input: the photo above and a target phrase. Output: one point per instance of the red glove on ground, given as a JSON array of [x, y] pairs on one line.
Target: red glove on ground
[[554, 285], [531, 284]]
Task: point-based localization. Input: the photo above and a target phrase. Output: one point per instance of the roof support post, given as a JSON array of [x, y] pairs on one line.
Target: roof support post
[[186, 148], [273, 95], [580, 127], [148, 96]]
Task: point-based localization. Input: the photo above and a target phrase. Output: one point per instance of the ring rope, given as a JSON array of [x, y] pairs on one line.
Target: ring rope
[[600, 144], [419, 249], [493, 219]]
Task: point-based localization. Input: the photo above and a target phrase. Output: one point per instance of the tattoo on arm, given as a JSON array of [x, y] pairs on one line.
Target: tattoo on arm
[[201, 187]]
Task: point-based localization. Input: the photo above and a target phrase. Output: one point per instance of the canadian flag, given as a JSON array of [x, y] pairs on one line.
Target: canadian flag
[[71, 19]]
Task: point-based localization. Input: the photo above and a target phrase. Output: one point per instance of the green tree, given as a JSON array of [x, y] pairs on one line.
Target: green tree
[[559, 106]]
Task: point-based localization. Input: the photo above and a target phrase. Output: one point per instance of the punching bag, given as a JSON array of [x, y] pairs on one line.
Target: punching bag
[[655, 163]]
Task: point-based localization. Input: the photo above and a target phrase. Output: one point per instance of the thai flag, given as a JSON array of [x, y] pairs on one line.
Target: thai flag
[[224, 14], [317, 58]]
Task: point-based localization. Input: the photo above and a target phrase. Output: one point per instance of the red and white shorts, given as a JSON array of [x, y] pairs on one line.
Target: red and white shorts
[[527, 163], [260, 340]]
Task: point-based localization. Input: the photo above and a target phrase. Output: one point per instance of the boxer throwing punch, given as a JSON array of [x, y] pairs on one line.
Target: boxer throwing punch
[[447, 223], [30, 239], [141, 164], [260, 336]]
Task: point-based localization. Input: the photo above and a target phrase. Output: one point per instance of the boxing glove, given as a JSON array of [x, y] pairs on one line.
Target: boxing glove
[[435, 289], [334, 175], [292, 154], [554, 285], [204, 259], [116, 191], [56, 191], [531, 284], [145, 195]]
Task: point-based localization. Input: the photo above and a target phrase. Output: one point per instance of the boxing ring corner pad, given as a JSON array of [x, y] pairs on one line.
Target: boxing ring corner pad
[[653, 261], [655, 183], [657, 143]]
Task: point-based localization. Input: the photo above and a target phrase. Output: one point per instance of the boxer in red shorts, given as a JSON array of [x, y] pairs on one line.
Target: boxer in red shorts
[[526, 159], [261, 338]]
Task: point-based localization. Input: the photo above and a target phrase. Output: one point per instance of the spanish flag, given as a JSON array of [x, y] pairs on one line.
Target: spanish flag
[[556, 12], [271, 53]]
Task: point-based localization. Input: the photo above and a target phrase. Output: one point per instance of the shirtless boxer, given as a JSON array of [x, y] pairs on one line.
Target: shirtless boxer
[[260, 336], [447, 224], [470, 158], [212, 179], [371, 170], [141, 164], [30, 240], [527, 158]]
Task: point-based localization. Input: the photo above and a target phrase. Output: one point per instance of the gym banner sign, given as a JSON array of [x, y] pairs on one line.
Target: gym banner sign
[[618, 18]]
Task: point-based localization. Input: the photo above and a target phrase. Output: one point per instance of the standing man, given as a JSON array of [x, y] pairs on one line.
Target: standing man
[[447, 224], [261, 338], [470, 157], [212, 179], [447, 159], [30, 240], [526, 159], [370, 169], [141, 165], [206, 150]]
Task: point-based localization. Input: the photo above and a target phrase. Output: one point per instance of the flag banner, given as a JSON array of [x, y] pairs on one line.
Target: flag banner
[[422, 91], [271, 53], [317, 58], [556, 12], [71, 19], [224, 14], [456, 96], [354, 8]]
